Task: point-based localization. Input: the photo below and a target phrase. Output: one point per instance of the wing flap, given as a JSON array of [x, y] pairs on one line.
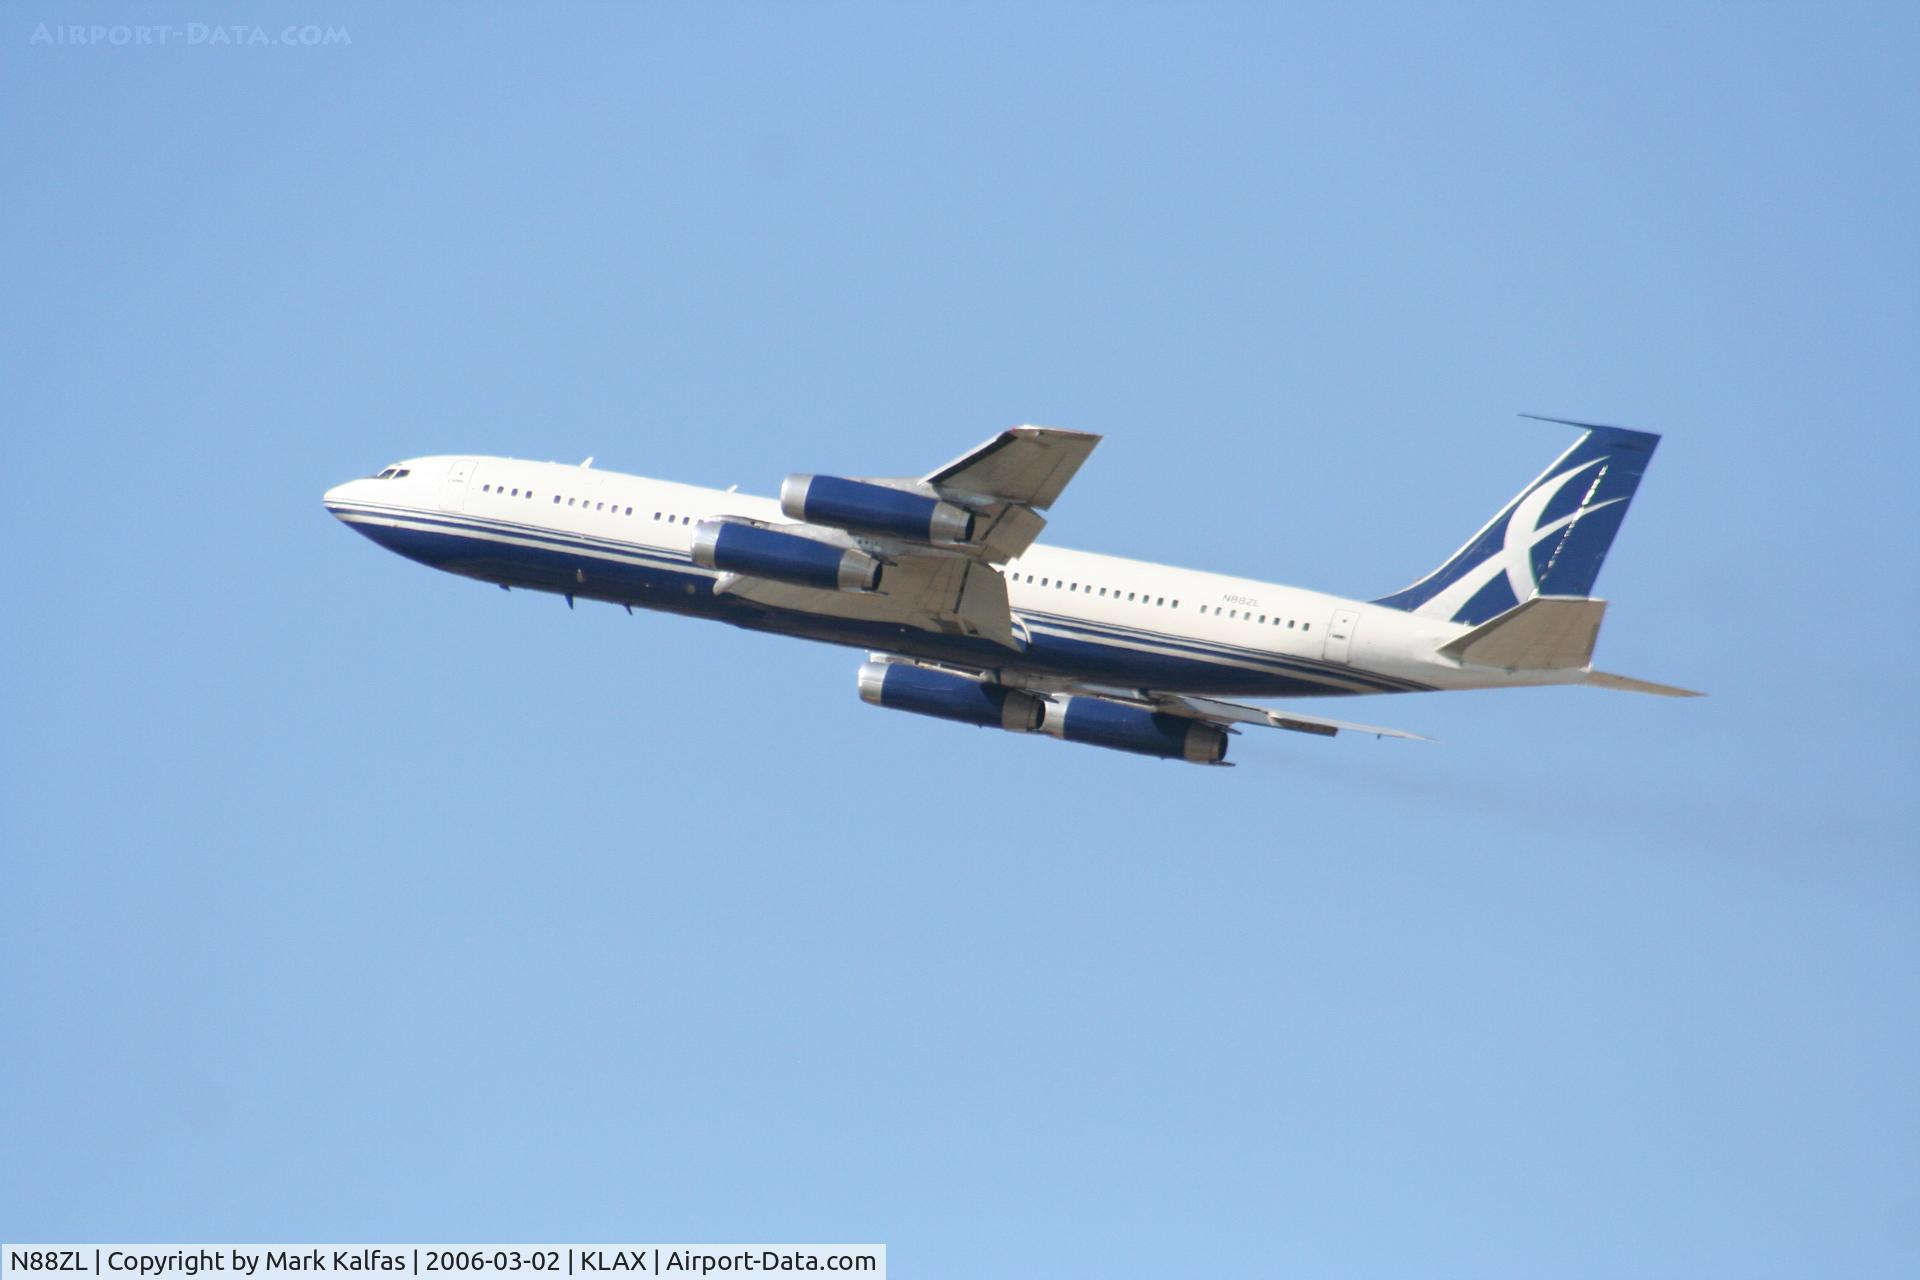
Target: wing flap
[[1010, 530]]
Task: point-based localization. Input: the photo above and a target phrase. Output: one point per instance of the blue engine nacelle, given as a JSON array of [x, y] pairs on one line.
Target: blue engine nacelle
[[1099, 722], [1125, 727], [784, 557], [873, 508], [905, 687]]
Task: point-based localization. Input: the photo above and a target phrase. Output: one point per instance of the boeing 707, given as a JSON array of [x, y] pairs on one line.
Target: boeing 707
[[967, 617]]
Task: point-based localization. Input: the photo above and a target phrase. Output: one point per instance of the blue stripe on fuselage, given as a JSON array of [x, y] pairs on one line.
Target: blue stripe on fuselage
[[1262, 659], [627, 573]]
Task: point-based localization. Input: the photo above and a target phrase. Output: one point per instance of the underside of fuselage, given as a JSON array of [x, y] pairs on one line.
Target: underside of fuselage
[[1051, 645]]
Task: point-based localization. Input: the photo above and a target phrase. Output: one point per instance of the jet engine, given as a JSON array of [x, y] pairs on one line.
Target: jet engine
[[873, 508], [784, 557], [1099, 722], [946, 696], [1124, 727]]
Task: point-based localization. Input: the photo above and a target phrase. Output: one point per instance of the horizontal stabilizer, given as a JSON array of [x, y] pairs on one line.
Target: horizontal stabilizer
[[1546, 633], [1607, 680]]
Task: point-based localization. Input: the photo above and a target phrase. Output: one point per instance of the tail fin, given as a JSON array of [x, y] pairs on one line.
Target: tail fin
[[1549, 541]]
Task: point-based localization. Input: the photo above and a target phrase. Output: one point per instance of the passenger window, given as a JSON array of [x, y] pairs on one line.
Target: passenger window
[[1176, 604], [629, 510], [1306, 626], [556, 499], [599, 506], [569, 501], [656, 515], [1129, 595], [1162, 600]]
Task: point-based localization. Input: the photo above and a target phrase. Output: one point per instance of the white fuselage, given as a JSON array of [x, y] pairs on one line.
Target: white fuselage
[[626, 539]]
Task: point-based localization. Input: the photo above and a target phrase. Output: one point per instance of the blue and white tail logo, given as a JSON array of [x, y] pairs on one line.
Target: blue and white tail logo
[[1550, 540]]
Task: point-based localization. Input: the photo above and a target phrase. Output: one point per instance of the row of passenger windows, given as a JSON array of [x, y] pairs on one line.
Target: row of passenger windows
[[1158, 602], [1061, 584], [1217, 612], [585, 504], [590, 504]]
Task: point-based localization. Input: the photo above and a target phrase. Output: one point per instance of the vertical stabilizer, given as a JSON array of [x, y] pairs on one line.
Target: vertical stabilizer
[[1549, 541]]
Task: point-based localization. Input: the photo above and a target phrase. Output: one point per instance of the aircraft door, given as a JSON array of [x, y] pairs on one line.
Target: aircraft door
[[453, 489], [1339, 642]]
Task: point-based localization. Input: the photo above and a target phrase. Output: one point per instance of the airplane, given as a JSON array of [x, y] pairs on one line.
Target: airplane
[[966, 617]]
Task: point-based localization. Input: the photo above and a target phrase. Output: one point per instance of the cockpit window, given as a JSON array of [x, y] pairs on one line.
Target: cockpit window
[[393, 473]]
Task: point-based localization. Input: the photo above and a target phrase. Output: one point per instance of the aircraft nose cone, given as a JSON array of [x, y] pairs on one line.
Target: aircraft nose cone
[[335, 496]]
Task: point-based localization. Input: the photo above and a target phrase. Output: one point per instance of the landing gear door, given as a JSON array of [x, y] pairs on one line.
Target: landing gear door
[[1340, 635], [453, 489]]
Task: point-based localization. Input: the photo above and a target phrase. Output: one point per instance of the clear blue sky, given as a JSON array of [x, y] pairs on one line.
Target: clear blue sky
[[346, 900]]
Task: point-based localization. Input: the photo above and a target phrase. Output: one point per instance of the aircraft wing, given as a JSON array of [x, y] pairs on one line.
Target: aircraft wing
[[1240, 713], [1009, 480], [1026, 465], [950, 587], [1216, 711]]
